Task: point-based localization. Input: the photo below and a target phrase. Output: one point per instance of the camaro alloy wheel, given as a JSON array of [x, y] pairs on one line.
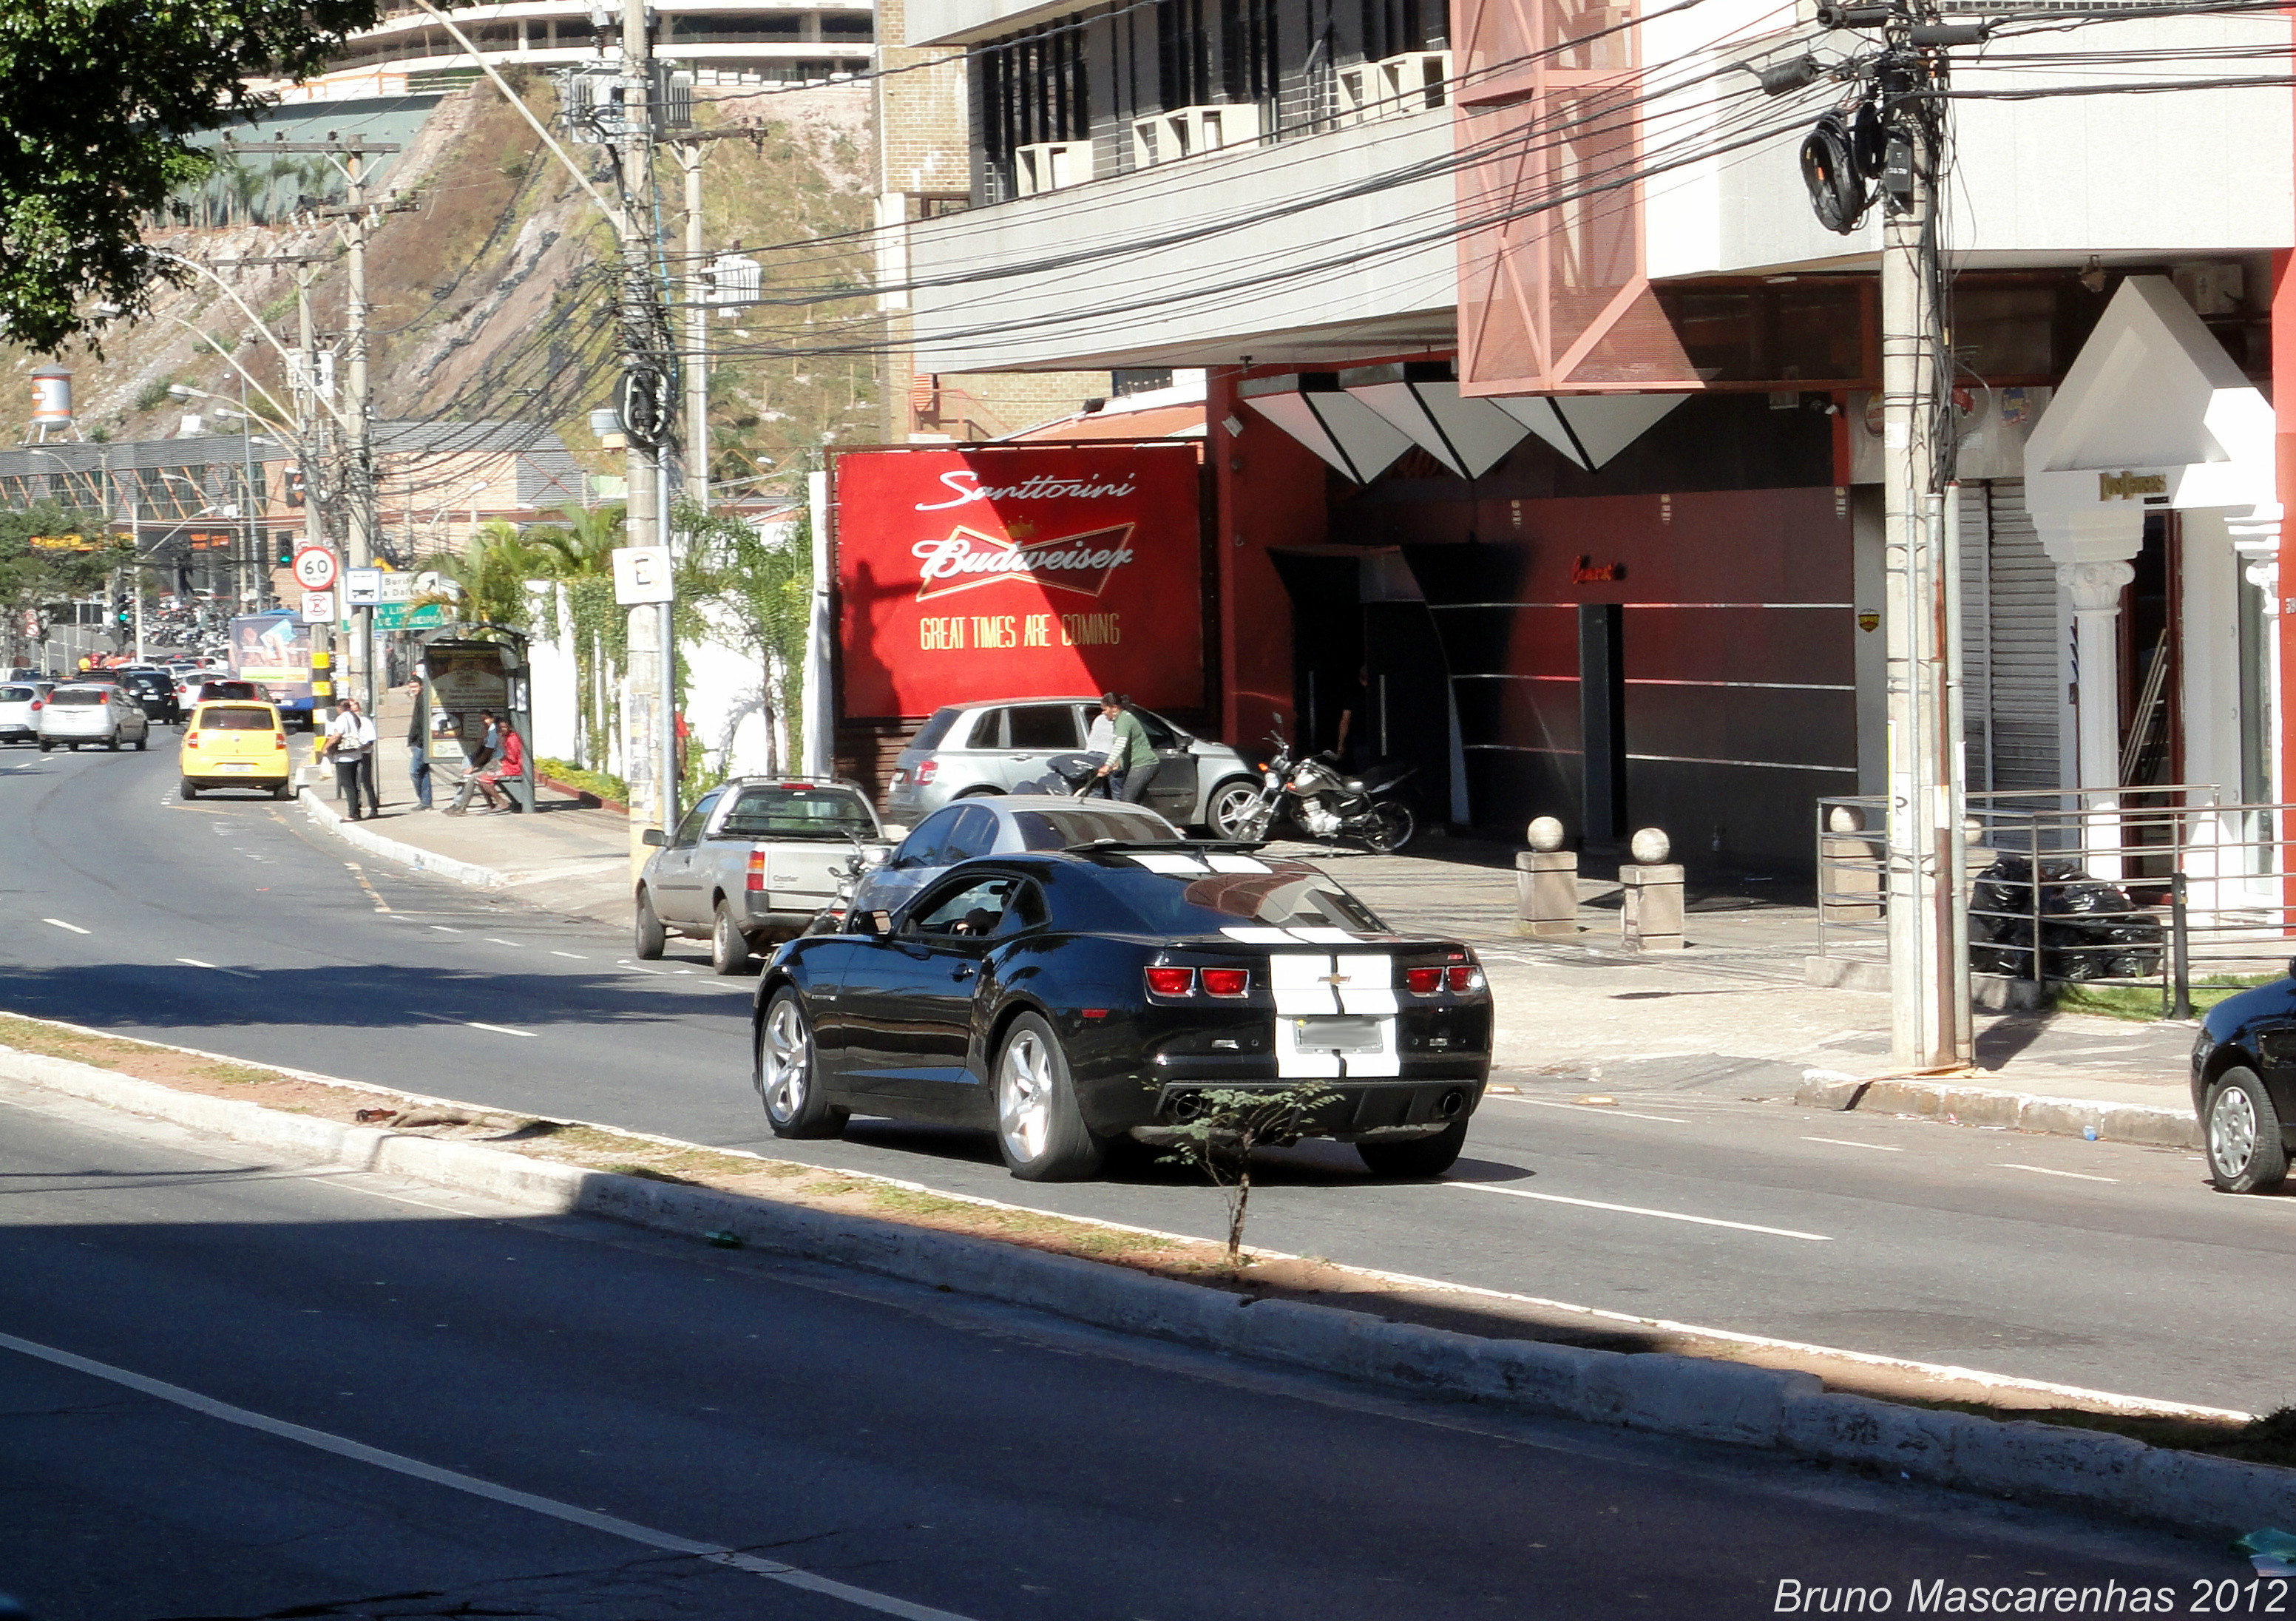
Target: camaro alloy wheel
[[2245, 1153], [1039, 1130], [786, 1076]]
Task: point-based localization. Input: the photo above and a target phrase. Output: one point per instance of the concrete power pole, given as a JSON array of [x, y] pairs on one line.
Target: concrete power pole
[[697, 333], [1928, 954], [646, 416], [360, 482]]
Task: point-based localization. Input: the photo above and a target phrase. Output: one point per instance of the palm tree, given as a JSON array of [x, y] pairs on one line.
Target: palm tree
[[582, 540]]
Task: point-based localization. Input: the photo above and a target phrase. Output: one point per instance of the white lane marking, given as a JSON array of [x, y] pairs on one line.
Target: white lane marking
[[635, 969], [576, 955], [59, 923], [2043, 1170], [499, 1029], [241, 973], [514, 945], [1588, 1109], [442, 929], [1667, 1216], [399, 1463], [1878, 1148]]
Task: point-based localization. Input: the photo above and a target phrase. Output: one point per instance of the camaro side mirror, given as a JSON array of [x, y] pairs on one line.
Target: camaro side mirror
[[654, 836]]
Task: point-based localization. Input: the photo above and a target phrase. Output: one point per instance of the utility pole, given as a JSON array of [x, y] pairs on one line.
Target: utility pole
[[1928, 956], [697, 331], [360, 471]]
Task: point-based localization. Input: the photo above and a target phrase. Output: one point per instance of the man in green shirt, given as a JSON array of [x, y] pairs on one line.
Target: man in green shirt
[[1131, 764]]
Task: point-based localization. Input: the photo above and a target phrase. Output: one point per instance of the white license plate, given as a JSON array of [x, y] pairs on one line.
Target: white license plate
[[1342, 1033], [239, 766]]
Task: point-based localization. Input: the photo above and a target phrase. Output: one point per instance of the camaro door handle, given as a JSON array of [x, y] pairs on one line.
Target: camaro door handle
[[962, 970]]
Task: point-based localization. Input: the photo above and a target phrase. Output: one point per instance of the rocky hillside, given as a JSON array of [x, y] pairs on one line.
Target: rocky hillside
[[492, 294]]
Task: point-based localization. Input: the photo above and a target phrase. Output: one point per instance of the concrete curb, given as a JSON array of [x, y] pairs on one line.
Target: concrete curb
[[391, 849], [1657, 1392], [1965, 1105]]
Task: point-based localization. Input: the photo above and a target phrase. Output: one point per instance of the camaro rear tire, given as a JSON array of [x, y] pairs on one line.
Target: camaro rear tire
[[1417, 1156], [786, 1068], [650, 935], [729, 949], [1039, 1129], [2242, 1132]]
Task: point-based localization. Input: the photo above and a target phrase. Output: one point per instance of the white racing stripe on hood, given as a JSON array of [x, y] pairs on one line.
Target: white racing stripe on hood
[[1159, 861]]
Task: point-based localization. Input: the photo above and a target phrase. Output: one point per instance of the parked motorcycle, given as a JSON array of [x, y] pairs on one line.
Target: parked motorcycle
[[1327, 805]]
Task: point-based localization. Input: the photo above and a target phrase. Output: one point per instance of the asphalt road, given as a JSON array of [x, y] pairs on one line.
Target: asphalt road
[[239, 926], [230, 1390]]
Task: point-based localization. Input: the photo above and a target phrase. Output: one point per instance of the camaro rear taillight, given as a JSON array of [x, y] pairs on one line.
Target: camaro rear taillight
[[756, 881], [1171, 981], [1464, 976], [1422, 981], [1227, 981]]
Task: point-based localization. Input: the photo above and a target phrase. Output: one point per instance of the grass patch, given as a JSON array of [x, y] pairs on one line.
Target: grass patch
[[647, 1172], [2143, 1004], [27, 1036], [236, 1075]]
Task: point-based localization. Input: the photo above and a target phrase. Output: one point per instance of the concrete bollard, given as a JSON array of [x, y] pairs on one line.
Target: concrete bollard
[[1546, 881], [1651, 920]]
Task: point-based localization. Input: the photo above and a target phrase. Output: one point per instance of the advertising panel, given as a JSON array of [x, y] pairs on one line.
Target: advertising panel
[[1018, 571], [274, 649]]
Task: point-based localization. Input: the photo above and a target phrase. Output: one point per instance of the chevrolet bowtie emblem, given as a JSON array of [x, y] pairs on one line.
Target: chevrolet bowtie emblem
[[1337, 979]]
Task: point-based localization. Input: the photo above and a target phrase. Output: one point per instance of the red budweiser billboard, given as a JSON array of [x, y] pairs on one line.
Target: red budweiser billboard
[[1018, 571]]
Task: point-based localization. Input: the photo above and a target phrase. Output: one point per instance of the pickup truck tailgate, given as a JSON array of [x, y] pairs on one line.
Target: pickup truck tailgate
[[803, 877]]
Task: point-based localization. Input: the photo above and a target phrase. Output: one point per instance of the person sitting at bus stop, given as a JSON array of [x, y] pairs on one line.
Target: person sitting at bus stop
[[508, 761], [1132, 761], [473, 777]]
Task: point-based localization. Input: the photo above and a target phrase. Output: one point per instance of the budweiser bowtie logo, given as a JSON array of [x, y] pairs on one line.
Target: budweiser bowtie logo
[[1081, 563]]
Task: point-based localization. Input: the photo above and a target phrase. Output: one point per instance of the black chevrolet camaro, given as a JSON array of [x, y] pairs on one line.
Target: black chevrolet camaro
[[2244, 1086], [1063, 999]]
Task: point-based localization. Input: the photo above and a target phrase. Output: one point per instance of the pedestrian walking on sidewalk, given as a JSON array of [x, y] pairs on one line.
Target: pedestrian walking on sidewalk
[[418, 744], [1132, 761], [350, 745]]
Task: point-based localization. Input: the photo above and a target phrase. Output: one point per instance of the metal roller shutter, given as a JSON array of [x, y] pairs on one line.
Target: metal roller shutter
[[2021, 619]]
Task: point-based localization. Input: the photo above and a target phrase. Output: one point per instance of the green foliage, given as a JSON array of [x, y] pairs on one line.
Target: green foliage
[[764, 586], [102, 97], [1228, 1124], [603, 785], [37, 580], [2145, 1003], [153, 395]]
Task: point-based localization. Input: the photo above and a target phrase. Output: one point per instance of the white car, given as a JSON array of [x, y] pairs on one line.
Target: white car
[[87, 713], [21, 702]]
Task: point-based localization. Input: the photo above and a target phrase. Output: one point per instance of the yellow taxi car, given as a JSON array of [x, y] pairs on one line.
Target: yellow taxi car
[[234, 745]]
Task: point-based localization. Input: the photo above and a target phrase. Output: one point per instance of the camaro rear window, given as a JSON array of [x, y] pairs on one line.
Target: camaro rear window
[[1278, 896], [238, 720], [798, 813], [1058, 830]]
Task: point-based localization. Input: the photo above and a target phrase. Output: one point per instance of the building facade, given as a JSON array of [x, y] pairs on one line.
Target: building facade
[[1541, 410]]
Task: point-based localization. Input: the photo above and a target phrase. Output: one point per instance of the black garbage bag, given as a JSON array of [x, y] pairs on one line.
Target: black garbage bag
[[2089, 930]]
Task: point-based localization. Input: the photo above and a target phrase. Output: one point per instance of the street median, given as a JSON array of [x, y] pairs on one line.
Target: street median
[[1172, 1288]]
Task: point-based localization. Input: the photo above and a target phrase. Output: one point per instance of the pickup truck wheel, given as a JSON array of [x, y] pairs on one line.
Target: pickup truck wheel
[[787, 1072], [1420, 1157], [2243, 1128], [729, 949], [650, 936]]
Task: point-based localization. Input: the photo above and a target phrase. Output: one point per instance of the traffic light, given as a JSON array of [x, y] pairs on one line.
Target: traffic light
[[282, 548], [119, 614]]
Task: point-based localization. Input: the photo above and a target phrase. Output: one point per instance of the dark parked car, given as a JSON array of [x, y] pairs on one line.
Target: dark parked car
[[156, 693], [2245, 1087], [1063, 999]]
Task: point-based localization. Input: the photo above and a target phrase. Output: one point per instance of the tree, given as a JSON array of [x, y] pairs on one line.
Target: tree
[[763, 585], [1225, 1123], [99, 100], [37, 579]]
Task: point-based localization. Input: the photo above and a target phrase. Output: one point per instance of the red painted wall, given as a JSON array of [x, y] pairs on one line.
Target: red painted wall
[[1269, 492]]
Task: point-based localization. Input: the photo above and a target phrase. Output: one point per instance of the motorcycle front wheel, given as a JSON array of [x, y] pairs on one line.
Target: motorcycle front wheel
[[1390, 827]]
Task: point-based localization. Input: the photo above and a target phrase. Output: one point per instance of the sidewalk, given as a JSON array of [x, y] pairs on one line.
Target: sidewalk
[[1730, 1015], [566, 858]]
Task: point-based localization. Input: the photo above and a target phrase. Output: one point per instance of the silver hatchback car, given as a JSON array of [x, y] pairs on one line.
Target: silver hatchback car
[[967, 750], [89, 713], [1006, 825]]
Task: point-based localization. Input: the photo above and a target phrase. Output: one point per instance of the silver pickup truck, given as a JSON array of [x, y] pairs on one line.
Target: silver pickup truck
[[751, 862]]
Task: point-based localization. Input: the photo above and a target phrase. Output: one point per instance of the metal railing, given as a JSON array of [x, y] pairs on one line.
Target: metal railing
[[2162, 887]]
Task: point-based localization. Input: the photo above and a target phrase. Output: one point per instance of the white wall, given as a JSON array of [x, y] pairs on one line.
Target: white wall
[[1175, 305], [551, 686], [2196, 173]]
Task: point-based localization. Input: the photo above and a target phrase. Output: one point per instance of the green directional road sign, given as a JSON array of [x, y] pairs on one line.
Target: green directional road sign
[[410, 615]]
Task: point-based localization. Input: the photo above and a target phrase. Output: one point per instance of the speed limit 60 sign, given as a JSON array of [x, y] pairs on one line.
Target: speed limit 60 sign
[[314, 567]]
